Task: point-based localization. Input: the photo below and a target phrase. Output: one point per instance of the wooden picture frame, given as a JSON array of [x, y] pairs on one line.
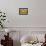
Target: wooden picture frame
[[23, 11]]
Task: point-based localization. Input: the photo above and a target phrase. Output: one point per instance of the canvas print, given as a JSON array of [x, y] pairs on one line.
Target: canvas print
[[23, 11]]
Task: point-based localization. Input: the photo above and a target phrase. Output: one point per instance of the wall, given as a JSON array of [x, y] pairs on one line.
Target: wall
[[35, 21], [38, 13], [11, 7], [35, 18]]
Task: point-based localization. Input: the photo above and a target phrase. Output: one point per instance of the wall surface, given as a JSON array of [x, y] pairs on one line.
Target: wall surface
[[35, 18], [34, 21], [38, 13]]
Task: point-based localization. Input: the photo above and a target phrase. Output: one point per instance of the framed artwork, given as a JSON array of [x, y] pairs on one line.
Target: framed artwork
[[23, 11]]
